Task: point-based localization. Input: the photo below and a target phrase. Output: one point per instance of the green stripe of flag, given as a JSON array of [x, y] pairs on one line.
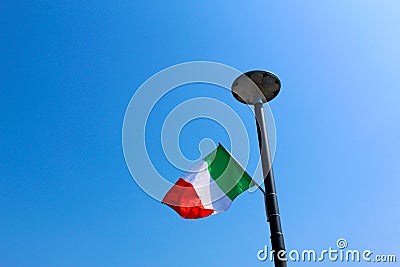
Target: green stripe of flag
[[227, 173]]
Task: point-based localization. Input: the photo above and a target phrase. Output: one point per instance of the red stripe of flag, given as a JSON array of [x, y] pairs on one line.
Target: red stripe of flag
[[182, 198]]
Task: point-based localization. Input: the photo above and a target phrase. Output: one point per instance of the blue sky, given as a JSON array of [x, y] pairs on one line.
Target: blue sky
[[69, 70]]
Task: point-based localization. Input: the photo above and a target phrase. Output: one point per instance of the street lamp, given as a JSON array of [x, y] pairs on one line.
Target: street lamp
[[256, 88]]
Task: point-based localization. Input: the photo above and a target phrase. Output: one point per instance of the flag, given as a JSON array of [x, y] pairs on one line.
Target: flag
[[210, 187]]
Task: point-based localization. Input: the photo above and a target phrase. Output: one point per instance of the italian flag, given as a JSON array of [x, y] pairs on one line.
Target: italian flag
[[210, 187]]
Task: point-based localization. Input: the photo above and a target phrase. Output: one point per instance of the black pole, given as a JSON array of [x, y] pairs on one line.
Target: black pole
[[271, 200]]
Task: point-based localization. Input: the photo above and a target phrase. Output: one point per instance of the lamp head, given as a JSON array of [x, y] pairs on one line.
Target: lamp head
[[256, 87]]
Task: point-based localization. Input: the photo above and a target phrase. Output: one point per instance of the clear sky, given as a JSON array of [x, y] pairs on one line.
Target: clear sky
[[69, 70]]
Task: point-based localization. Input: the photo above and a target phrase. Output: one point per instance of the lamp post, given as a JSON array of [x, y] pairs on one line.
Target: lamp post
[[256, 88]]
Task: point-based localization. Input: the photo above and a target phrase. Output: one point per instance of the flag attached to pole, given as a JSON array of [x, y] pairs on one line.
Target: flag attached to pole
[[210, 187]]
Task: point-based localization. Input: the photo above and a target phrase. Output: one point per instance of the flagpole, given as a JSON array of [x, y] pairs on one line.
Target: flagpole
[[263, 87], [270, 198]]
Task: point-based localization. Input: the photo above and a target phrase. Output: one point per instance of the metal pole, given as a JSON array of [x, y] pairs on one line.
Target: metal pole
[[271, 200]]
